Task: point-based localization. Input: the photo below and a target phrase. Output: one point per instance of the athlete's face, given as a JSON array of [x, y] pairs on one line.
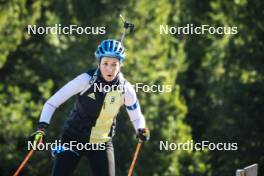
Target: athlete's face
[[109, 67]]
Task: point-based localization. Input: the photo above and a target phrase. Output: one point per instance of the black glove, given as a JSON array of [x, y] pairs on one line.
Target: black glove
[[39, 135], [143, 134]]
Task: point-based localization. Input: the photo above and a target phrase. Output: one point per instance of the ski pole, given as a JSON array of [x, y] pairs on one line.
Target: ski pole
[[24, 162], [30, 153], [135, 158], [127, 25]]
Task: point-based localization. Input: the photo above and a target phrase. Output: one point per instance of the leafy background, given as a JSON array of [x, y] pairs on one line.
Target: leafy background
[[217, 81]]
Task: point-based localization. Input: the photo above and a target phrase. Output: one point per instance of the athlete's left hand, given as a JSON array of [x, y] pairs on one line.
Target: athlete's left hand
[[143, 134]]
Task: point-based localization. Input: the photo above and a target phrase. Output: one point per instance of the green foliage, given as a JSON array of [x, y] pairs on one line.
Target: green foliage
[[223, 80], [154, 60], [216, 80]]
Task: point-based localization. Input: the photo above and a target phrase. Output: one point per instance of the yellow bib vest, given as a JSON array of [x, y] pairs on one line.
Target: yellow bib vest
[[112, 103]]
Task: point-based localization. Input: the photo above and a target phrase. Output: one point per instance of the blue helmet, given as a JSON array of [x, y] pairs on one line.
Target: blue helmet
[[110, 48]]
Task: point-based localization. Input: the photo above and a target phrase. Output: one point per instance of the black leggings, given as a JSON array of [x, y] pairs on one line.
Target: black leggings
[[102, 162]]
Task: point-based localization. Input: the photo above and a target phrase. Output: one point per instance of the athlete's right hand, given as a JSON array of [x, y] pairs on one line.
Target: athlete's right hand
[[39, 136]]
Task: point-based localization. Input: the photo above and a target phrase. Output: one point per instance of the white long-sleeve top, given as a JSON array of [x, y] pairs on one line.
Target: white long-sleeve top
[[80, 83]]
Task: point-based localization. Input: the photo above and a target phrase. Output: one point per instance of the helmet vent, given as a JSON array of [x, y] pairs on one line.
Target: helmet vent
[[111, 45], [101, 50]]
